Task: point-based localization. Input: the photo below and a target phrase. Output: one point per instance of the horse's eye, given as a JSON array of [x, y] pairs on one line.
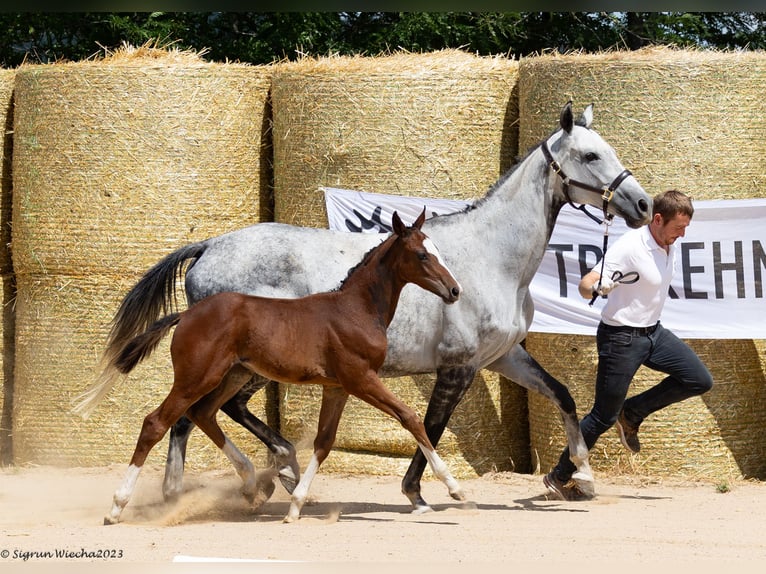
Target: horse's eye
[[590, 156], [422, 255]]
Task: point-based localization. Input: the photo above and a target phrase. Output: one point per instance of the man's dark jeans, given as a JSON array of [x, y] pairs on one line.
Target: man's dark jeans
[[621, 351]]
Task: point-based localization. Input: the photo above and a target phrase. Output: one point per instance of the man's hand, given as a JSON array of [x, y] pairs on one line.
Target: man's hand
[[604, 287]]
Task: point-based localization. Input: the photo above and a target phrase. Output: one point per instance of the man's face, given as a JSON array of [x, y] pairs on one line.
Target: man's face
[[666, 232]]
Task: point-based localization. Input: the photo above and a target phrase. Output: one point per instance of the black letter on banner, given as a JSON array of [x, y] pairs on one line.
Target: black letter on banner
[[689, 269], [759, 260], [365, 223], [559, 249], [719, 268], [582, 257]]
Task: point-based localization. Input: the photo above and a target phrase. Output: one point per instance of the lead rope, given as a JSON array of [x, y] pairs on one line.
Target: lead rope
[[607, 222]]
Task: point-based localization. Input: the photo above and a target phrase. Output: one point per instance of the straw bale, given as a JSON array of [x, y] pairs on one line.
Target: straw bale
[[686, 119], [432, 125], [712, 437], [128, 161], [6, 270], [117, 162]]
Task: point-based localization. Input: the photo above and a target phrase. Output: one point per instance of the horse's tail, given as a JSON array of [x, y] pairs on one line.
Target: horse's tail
[[122, 362], [153, 296]]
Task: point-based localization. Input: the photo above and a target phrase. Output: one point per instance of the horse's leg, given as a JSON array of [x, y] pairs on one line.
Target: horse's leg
[[282, 451], [449, 389], [521, 368], [378, 395], [174, 464], [333, 402], [155, 425]]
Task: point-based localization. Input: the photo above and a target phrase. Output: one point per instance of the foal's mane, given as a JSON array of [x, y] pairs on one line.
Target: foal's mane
[[385, 245]]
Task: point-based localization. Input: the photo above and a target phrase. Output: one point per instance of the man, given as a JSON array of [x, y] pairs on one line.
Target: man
[[630, 335]]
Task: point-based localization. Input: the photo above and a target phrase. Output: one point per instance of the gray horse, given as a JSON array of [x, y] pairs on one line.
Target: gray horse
[[494, 248]]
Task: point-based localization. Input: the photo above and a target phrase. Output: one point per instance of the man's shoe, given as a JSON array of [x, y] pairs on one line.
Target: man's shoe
[[568, 490], [628, 433]]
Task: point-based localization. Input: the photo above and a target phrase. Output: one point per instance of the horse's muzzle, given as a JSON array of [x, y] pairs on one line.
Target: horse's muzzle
[[454, 295]]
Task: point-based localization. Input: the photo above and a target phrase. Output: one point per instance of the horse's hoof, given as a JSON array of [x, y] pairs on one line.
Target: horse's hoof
[[171, 497], [458, 495], [422, 509], [108, 520], [288, 478], [586, 483]]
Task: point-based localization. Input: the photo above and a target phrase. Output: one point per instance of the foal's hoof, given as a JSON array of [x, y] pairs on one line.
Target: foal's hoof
[[458, 495], [108, 520], [261, 491]]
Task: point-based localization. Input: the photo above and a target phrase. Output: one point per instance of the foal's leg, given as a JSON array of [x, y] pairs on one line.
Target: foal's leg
[[450, 388], [155, 425], [333, 402], [521, 368], [282, 451], [203, 414], [378, 395]]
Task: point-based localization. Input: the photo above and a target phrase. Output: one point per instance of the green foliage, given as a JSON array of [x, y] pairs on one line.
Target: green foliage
[[263, 37]]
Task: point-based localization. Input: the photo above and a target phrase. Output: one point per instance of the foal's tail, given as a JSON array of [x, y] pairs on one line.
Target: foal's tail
[[153, 296], [123, 362]]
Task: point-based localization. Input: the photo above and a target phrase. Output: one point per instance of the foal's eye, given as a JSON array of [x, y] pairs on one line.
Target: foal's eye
[[591, 156]]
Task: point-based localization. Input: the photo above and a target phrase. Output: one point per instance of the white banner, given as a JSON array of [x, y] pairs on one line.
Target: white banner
[[717, 292], [372, 212]]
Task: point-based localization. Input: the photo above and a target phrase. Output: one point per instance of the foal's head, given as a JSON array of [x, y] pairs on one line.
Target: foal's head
[[418, 260]]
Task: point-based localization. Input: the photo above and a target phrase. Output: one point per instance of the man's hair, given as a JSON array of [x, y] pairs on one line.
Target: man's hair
[[671, 203]]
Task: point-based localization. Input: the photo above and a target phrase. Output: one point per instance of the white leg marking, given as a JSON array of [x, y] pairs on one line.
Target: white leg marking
[[243, 466], [302, 490], [441, 471], [122, 494]]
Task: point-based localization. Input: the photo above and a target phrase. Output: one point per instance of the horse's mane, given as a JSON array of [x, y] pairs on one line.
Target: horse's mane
[[508, 173], [384, 245]]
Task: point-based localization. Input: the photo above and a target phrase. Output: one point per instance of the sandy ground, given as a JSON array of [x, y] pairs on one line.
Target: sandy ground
[[366, 520]]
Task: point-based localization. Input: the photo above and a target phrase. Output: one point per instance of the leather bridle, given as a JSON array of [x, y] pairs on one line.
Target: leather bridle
[[607, 191]]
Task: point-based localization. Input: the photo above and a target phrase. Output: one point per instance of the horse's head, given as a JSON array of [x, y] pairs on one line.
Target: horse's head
[[591, 172], [419, 261]]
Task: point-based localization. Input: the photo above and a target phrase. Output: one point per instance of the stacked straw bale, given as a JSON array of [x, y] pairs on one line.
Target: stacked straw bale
[[6, 269], [117, 162], [689, 120], [432, 125]]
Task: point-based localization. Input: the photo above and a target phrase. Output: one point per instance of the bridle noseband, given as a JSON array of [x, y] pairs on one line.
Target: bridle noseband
[[607, 191]]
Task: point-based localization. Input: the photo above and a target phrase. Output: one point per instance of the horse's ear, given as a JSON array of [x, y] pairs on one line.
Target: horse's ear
[[567, 119], [396, 224], [586, 118], [421, 218]]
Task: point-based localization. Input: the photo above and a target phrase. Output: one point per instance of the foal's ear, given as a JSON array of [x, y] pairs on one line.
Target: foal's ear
[[396, 224], [567, 119], [421, 218]]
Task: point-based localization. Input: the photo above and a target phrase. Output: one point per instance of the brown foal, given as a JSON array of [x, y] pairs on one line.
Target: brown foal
[[336, 339]]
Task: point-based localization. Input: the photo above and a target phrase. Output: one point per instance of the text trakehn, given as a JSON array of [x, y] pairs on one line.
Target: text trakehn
[[737, 268]]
